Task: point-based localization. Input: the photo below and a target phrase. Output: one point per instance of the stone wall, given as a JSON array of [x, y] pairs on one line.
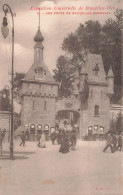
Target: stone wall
[[97, 96]]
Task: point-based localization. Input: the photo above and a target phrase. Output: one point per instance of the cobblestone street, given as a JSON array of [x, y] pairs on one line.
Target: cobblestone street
[[36, 171]]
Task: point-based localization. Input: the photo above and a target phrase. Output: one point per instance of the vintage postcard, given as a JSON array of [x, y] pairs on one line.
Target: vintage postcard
[[61, 98]]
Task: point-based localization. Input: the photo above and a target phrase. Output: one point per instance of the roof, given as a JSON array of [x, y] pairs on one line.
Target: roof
[[31, 73], [94, 61], [110, 73]]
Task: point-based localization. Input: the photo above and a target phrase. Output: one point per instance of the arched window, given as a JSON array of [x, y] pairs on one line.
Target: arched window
[[96, 110], [96, 70]]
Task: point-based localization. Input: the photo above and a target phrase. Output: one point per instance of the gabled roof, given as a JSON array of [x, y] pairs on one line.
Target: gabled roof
[[31, 73], [95, 61]]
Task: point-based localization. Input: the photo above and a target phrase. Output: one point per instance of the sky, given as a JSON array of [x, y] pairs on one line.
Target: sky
[[53, 27]]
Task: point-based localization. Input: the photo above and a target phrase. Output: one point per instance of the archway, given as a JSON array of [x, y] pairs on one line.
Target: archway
[[67, 120]]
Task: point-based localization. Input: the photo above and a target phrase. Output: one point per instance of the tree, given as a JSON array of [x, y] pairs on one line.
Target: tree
[[99, 39], [63, 75], [5, 104], [17, 86], [113, 46]]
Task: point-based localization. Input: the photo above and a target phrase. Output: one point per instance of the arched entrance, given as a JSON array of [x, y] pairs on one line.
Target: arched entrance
[[67, 120]]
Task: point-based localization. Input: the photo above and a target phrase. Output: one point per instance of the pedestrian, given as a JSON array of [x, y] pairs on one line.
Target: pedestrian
[[73, 140], [59, 137], [114, 141], [119, 145], [27, 135], [41, 143], [22, 139], [109, 142], [64, 148], [1, 141], [4, 133], [53, 137]]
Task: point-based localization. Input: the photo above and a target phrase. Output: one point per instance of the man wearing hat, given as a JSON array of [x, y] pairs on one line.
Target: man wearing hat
[[73, 140], [109, 142], [22, 139], [119, 146]]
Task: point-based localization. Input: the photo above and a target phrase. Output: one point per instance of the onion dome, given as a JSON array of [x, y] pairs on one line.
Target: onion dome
[[38, 37]]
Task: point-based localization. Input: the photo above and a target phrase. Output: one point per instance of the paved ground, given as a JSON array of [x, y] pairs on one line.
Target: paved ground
[[36, 171]]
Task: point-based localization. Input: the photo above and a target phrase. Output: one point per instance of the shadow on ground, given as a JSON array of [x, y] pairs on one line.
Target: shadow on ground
[[6, 155]]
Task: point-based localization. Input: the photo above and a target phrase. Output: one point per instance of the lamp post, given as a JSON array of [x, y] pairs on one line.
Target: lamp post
[[5, 32]]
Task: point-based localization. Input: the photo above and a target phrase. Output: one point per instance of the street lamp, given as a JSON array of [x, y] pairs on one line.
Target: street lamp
[[5, 32]]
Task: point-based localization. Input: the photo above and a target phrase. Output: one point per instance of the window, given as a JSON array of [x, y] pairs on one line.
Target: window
[[45, 105], [91, 93], [101, 94], [40, 73], [96, 70], [33, 104], [96, 110]]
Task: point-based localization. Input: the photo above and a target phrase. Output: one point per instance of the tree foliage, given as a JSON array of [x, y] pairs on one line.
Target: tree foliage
[[5, 104], [63, 75], [17, 86], [94, 38]]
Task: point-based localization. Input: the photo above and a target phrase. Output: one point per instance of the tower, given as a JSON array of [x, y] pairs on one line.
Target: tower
[[96, 116], [39, 92], [110, 82]]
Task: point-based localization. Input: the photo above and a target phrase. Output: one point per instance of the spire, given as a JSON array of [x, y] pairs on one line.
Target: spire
[[38, 37], [110, 73]]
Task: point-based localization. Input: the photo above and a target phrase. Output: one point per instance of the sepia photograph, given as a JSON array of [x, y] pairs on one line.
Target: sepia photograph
[[61, 97]]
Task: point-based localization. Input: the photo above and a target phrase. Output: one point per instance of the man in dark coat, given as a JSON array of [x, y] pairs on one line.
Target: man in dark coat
[[22, 139], [53, 137], [1, 141], [119, 143], [27, 135], [59, 137], [109, 143], [73, 140], [114, 143]]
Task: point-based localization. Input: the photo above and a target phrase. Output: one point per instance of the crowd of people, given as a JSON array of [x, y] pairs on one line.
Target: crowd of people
[[114, 142], [66, 139]]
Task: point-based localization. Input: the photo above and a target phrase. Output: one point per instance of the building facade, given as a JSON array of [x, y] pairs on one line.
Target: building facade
[[88, 107], [90, 100]]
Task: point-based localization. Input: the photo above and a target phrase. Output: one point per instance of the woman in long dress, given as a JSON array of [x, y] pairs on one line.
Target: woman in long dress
[[64, 148], [41, 143]]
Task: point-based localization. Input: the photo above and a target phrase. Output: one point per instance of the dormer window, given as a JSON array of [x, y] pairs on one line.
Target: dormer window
[[96, 70], [40, 73]]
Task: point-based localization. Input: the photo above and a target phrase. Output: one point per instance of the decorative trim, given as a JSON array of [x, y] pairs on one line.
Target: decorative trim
[[98, 84], [39, 82]]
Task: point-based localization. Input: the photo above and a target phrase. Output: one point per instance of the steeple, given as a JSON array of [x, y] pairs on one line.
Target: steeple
[[40, 73], [38, 37], [110, 73], [110, 82]]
